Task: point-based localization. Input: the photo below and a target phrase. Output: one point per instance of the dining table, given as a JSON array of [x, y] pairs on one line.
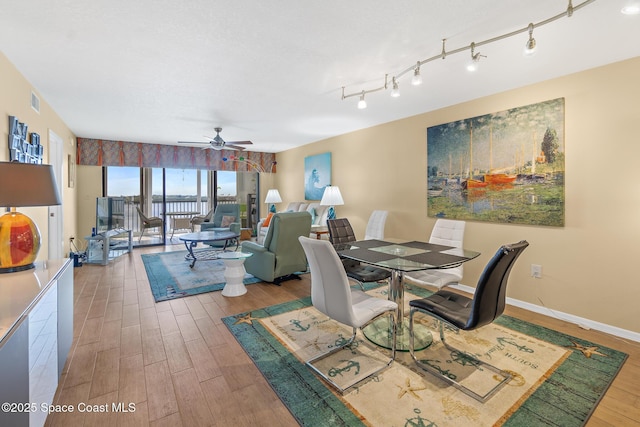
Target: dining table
[[401, 257]]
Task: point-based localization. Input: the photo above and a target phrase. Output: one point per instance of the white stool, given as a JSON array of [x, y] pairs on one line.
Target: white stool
[[234, 273]]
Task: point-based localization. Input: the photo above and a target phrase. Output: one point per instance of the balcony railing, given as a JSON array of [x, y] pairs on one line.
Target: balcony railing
[[184, 204]]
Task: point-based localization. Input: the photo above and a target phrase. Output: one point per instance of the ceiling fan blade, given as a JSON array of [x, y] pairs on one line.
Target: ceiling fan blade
[[239, 142], [192, 142], [234, 147]]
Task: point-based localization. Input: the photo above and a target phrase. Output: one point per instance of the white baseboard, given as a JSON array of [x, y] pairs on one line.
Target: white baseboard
[[580, 321]]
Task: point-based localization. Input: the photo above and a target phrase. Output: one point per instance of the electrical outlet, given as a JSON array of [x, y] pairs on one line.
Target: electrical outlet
[[536, 271]]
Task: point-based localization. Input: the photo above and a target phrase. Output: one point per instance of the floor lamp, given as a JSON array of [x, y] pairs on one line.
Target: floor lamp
[[23, 184]]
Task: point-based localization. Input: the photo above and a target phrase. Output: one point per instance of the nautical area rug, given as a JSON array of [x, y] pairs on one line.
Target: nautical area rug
[[558, 379], [170, 276]]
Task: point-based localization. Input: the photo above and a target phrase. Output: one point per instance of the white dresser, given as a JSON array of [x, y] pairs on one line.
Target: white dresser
[[36, 332]]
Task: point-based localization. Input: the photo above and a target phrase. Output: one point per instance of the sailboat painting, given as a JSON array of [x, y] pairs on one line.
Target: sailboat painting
[[504, 167]]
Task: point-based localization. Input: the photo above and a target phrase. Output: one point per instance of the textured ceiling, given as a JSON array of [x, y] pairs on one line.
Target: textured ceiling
[[272, 71]]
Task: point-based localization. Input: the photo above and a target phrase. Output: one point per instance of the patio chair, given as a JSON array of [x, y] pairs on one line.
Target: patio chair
[[148, 222]]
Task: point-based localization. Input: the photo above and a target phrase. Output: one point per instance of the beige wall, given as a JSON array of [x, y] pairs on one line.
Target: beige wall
[[15, 100], [589, 264]]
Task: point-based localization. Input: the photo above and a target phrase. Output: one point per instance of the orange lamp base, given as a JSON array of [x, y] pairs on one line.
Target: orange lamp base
[[19, 242]]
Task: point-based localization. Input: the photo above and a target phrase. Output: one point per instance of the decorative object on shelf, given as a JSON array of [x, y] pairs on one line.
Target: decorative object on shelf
[[21, 150], [414, 70], [273, 196], [23, 185], [331, 198], [317, 175], [503, 167]]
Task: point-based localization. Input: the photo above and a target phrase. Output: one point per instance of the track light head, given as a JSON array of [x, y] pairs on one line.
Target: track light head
[[417, 78], [362, 104], [395, 92], [530, 46], [474, 63]]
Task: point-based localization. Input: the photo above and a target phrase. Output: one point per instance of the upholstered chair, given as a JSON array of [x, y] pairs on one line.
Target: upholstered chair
[[281, 256], [445, 232], [226, 217], [460, 313], [332, 296], [375, 225], [340, 233]]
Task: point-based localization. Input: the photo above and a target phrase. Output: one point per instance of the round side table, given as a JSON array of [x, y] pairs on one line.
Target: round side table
[[234, 273]]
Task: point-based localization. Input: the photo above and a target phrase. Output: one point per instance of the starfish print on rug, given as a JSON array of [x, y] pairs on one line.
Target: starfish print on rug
[[408, 389], [587, 351], [245, 319]]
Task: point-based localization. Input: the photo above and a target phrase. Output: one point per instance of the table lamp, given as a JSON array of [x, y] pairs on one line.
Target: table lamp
[[331, 197], [273, 196], [23, 184]]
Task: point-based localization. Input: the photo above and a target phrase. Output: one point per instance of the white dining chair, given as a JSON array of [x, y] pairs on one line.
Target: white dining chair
[[445, 232], [375, 226], [332, 296]]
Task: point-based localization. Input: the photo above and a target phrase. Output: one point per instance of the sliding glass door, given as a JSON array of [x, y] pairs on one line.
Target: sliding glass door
[[174, 195]]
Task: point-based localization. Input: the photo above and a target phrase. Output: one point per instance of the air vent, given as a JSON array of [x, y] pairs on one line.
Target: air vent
[[35, 102]]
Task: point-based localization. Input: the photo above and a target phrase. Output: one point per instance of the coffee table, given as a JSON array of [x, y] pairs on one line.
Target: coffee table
[[234, 273], [191, 240]]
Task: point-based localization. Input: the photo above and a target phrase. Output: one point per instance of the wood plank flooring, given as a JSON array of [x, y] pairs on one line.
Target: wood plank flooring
[[174, 363]]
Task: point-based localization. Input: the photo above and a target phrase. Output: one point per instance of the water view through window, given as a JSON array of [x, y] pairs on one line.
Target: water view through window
[[181, 194]]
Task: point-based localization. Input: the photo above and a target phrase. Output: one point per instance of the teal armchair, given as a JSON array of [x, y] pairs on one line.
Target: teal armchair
[[219, 223], [281, 255]]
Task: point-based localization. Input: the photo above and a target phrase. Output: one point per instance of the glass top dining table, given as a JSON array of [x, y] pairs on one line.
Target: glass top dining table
[[401, 257]]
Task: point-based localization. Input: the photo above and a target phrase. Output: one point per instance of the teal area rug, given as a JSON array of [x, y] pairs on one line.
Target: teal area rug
[[559, 379], [170, 276]]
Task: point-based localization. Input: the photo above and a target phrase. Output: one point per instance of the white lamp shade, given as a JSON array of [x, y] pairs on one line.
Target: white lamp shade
[[331, 197], [273, 196]]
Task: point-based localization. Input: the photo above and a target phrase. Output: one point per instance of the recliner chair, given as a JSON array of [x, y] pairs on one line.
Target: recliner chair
[[281, 255], [229, 210]]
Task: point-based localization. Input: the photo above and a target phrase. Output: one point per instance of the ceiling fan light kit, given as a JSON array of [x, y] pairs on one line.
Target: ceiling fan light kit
[[530, 49], [217, 143]]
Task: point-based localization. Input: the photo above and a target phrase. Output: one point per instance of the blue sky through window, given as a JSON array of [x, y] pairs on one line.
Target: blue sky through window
[[124, 181]]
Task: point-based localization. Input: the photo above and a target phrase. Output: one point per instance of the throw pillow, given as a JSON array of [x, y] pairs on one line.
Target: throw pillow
[[267, 220], [227, 221], [312, 211]]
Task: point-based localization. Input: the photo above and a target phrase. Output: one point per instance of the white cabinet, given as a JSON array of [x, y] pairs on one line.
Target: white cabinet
[[36, 331]]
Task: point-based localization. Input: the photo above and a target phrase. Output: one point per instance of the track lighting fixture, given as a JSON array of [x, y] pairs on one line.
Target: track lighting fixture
[[530, 47], [362, 104], [475, 59], [632, 7], [395, 92], [417, 78]]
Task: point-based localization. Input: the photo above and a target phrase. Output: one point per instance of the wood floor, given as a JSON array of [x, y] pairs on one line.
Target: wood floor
[[177, 364]]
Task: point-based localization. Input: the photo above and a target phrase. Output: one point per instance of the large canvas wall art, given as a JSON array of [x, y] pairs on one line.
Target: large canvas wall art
[[317, 175], [504, 167]]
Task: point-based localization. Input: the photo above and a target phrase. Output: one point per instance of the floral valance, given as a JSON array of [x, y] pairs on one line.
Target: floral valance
[[102, 152]]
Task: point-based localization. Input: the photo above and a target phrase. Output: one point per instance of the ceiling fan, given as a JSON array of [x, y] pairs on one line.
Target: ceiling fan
[[217, 143]]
